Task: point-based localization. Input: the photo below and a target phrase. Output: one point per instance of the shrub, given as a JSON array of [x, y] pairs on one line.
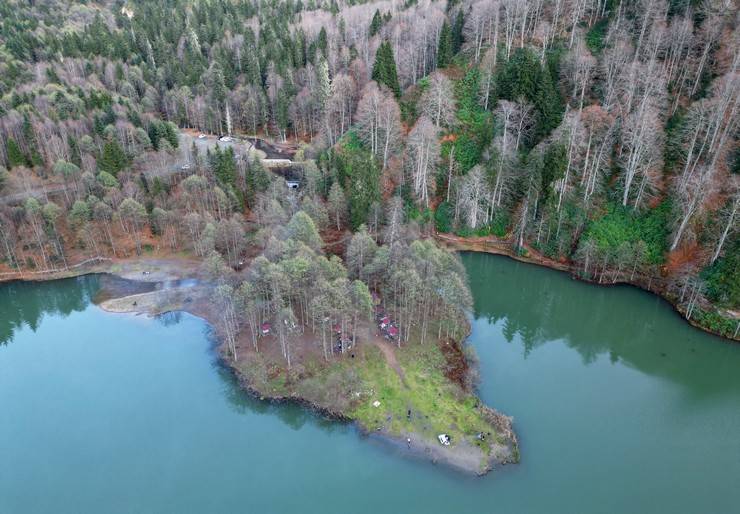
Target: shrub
[[715, 322], [443, 217], [723, 277], [596, 36], [622, 224]]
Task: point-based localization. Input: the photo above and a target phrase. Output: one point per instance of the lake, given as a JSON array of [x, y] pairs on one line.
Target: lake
[[620, 406]]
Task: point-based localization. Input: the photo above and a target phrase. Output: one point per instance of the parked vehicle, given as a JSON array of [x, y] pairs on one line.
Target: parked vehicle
[[444, 439]]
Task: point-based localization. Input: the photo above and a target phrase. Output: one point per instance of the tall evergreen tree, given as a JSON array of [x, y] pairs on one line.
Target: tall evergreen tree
[[444, 49], [31, 143], [376, 23], [524, 76], [75, 157], [384, 69], [15, 154], [223, 165], [359, 172], [113, 158], [457, 33], [170, 134], [323, 42]]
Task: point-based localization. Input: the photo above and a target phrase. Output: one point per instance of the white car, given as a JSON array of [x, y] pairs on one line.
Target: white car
[[226, 139], [185, 166], [201, 136]]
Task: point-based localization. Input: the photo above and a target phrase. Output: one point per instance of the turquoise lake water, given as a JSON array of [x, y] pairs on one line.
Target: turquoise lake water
[[620, 406]]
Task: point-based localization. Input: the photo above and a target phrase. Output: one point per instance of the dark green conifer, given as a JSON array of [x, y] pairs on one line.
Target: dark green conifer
[[384, 69], [113, 158], [444, 49], [15, 155], [376, 23], [457, 33]]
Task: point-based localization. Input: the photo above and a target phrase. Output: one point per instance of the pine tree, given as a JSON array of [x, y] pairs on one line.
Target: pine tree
[[113, 158], [223, 165], [218, 86], [323, 90], [376, 23], [457, 33], [75, 156], [553, 166], [31, 143], [15, 154], [524, 76], [170, 133], [384, 69], [444, 50], [155, 134], [359, 172], [323, 42]]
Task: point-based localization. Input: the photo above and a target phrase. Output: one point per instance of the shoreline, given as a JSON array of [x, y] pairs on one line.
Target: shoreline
[[501, 247], [462, 456], [190, 299], [488, 244]]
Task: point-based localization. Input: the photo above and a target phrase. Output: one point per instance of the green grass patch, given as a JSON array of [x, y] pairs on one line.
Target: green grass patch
[[437, 405]]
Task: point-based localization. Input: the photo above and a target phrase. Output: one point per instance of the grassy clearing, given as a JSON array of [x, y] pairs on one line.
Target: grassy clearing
[[436, 405], [351, 385]]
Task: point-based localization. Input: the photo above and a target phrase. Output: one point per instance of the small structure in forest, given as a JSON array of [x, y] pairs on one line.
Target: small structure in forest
[[392, 332], [265, 328]]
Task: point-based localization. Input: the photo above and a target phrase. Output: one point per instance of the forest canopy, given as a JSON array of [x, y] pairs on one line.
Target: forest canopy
[[595, 133]]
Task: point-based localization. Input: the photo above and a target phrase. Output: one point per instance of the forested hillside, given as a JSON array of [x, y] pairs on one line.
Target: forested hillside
[[598, 134]]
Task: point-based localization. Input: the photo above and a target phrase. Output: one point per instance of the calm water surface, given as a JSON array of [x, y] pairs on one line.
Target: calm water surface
[[620, 407]]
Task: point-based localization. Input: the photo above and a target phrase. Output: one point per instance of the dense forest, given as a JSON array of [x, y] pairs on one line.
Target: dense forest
[[598, 133]]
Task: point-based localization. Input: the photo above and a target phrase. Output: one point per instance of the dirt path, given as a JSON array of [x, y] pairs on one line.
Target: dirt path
[[390, 356]]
